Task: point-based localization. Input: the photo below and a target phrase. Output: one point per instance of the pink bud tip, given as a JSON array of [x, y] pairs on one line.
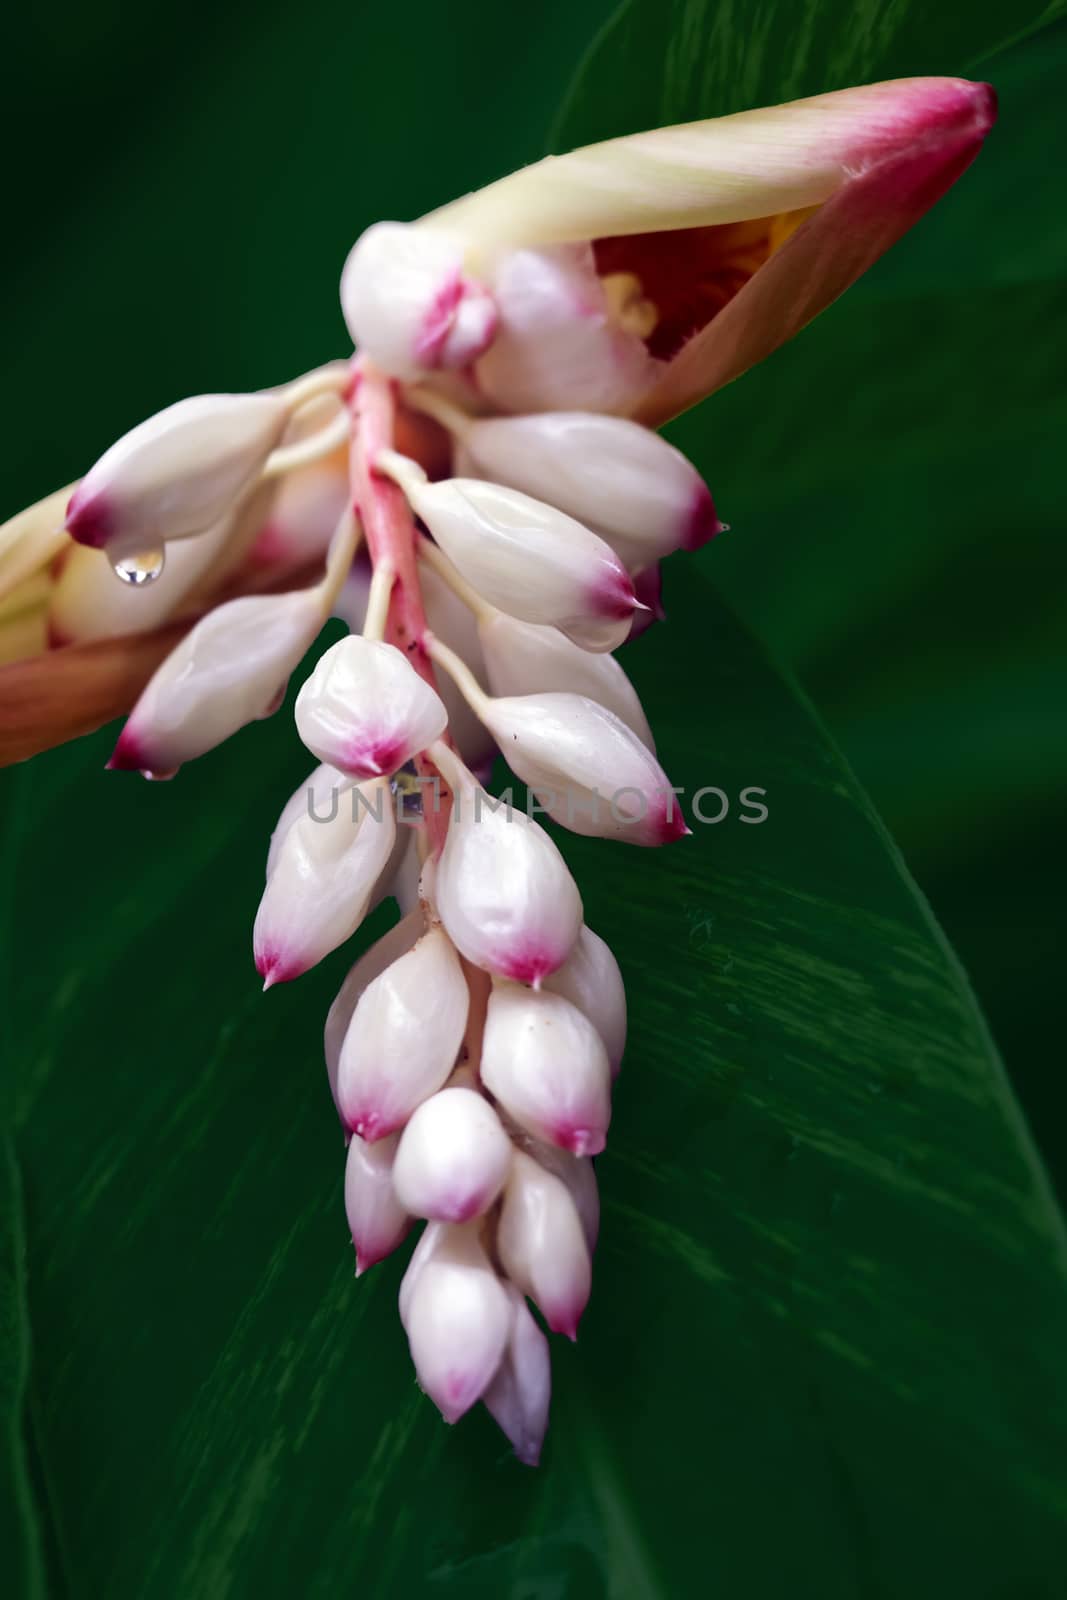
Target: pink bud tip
[[129, 754], [89, 519], [375, 758], [613, 594], [530, 965], [273, 968], [579, 1141], [702, 522], [370, 1126]]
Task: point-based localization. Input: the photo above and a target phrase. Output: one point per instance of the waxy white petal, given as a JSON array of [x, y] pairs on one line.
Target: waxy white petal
[[366, 710], [557, 345], [504, 892], [529, 658], [542, 1246], [591, 980], [403, 1038], [546, 1064], [177, 474], [457, 1316], [229, 670], [408, 304], [527, 558], [376, 1219], [453, 1158], [382, 953], [577, 1172], [588, 769], [519, 1395], [323, 879], [611, 474]]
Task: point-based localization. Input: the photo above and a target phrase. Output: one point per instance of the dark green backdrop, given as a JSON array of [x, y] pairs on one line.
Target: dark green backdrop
[[824, 1351]]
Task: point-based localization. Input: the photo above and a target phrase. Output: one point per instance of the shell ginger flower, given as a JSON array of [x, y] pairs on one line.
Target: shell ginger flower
[[491, 445]]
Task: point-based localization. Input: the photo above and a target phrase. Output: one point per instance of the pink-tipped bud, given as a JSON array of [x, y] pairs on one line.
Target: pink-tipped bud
[[546, 1064], [580, 1178], [319, 795], [457, 1316], [382, 953], [377, 1220], [504, 892], [228, 671], [610, 473], [588, 769], [323, 879], [542, 1246], [177, 474], [403, 1039], [454, 1157], [366, 710], [590, 979], [408, 303], [532, 561], [528, 658], [558, 342], [518, 1397]]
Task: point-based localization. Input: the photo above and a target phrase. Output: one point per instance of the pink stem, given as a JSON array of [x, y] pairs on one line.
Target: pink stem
[[391, 537]]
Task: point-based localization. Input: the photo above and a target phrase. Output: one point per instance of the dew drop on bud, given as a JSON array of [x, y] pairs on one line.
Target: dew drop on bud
[[143, 567]]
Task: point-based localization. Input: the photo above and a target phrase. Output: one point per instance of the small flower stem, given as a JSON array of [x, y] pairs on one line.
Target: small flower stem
[[313, 448], [381, 589], [390, 528], [460, 673], [435, 557], [333, 379], [443, 411]]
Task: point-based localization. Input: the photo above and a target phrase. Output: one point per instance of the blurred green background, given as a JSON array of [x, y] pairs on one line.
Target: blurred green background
[[183, 186]]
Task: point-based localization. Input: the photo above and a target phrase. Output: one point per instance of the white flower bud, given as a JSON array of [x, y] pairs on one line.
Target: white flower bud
[[403, 1039], [177, 474], [457, 1316], [590, 979], [557, 344], [546, 1064], [382, 953], [319, 796], [578, 1175], [453, 1157], [532, 561], [588, 769], [408, 304], [518, 1397], [229, 670], [366, 710], [610, 473], [541, 1244], [323, 878], [503, 890], [376, 1219], [527, 658]]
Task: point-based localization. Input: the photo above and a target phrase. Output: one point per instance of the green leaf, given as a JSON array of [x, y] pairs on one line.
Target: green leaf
[[824, 1347], [663, 61]]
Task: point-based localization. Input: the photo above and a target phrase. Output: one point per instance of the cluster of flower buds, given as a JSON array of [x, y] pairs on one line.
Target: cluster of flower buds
[[491, 443]]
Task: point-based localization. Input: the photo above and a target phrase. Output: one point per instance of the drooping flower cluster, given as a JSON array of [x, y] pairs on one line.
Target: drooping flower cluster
[[490, 446]]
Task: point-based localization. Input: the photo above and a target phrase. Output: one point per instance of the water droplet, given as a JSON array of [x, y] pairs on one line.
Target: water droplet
[[142, 568], [159, 777], [724, 527]]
